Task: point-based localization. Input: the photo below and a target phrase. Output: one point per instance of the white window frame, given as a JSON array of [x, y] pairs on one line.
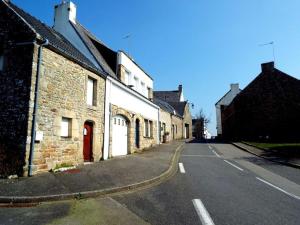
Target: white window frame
[[91, 91], [148, 128], [66, 127]]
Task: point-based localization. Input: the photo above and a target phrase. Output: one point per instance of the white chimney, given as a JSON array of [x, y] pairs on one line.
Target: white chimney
[[64, 12], [235, 88]]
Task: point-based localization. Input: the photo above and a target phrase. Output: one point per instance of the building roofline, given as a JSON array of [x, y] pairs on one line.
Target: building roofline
[[122, 51]]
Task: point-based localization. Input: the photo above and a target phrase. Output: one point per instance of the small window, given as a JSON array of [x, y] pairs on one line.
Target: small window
[[115, 121], [66, 127], [136, 83], [148, 132], [150, 129], [119, 121], [127, 77], [91, 91]]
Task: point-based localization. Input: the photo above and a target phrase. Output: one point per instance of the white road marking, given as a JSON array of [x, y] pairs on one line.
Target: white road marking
[[216, 153], [210, 147], [233, 165], [181, 168], [202, 212], [278, 188], [212, 156]]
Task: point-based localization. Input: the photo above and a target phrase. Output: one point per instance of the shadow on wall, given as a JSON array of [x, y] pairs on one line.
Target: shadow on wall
[[12, 158]]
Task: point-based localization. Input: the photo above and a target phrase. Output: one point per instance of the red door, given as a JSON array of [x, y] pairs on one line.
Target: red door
[[88, 142]]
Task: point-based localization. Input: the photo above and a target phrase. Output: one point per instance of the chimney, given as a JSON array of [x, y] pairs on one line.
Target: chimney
[[64, 12], [267, 67], [180, 88], [234, 88]]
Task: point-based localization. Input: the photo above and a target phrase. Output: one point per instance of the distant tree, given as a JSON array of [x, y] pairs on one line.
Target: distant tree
[[201, 121]]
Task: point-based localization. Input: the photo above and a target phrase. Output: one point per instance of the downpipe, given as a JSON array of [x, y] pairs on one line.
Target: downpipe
[[35, 109]]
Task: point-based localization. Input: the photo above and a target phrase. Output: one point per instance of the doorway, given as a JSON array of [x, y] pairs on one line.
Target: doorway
[[88, 142]]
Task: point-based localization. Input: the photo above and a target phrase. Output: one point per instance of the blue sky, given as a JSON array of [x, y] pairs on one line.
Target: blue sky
[[203, 44]]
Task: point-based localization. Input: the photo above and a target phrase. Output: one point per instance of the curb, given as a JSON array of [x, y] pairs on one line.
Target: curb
[[267, 158], [11, 200]]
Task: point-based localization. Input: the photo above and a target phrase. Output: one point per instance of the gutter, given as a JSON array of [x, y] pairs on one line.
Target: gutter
[[35, 109]]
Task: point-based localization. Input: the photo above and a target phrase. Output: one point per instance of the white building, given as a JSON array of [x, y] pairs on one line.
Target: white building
[[225, 101], [131, 118]]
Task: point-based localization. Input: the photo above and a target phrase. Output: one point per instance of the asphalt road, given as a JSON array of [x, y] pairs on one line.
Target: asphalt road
[[221, 185], [215, 184]]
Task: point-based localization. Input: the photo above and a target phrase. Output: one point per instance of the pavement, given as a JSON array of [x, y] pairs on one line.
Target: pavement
[[269, 155], [123, 174]]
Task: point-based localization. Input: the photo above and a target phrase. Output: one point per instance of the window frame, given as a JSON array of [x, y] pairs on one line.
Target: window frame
[[93, 91], [68, 121]]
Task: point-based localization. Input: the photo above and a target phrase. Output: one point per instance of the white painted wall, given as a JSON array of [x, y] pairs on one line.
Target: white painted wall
[[226, 100], [62, 24], [135, 72], [122, 96]]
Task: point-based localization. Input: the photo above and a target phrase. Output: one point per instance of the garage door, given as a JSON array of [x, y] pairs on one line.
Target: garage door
[[119, 136]]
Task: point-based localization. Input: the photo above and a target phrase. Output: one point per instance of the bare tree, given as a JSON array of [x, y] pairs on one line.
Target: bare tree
[[201, 121]]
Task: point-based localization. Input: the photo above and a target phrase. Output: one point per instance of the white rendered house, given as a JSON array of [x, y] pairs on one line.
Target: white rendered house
[[225, 101]]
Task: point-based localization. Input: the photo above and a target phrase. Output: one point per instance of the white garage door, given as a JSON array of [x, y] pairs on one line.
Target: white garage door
[[119, 136]]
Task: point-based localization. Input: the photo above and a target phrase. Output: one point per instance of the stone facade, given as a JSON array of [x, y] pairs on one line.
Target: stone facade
[[131, 117], [166, 125], [177, 128], [62, 93], [15, 86], [187, 122]]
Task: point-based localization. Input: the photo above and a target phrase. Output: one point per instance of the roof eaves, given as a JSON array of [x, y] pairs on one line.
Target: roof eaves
[[136, 64]]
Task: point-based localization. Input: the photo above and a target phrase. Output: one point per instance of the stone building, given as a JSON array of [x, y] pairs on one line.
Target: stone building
[[181, 123], [225, 101], [267, 109], [47, 82], [131, 121]]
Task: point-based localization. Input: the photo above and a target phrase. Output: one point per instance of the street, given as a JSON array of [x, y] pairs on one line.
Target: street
[[215, 184], [234, 191]]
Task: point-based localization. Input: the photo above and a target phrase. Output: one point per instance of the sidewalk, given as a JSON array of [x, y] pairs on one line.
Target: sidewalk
[[98, 179], [269, 155]]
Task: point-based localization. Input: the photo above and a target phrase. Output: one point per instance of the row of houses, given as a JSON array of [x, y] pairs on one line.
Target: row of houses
[[267, 109], [67, 98]]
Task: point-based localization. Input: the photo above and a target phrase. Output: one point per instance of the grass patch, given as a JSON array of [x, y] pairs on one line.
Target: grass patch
[[279, 149]]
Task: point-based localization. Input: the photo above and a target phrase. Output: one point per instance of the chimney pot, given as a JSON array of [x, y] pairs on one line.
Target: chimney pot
[[267, 67], [180, 88]]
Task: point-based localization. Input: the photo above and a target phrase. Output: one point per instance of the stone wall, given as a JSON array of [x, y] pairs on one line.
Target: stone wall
[[165, 118], [62, 93], [15, 85], [131, 117], [177, 122], [187, 120]]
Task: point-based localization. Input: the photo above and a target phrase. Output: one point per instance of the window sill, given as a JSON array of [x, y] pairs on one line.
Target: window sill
[[148, 137]]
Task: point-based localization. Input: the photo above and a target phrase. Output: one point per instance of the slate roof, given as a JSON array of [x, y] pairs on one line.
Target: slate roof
[[56, 40], [179, 107], [98, 49], [169, 96], [164, 105]]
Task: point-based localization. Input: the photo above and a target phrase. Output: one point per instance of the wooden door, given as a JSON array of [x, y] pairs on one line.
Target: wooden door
[[88, 142]]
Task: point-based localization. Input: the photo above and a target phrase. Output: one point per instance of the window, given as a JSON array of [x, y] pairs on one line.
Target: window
[[148, 132], [66, 127], [127, 78], [149, 92], [1, 60], [91, 92], [136, 83], [143, 88]]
